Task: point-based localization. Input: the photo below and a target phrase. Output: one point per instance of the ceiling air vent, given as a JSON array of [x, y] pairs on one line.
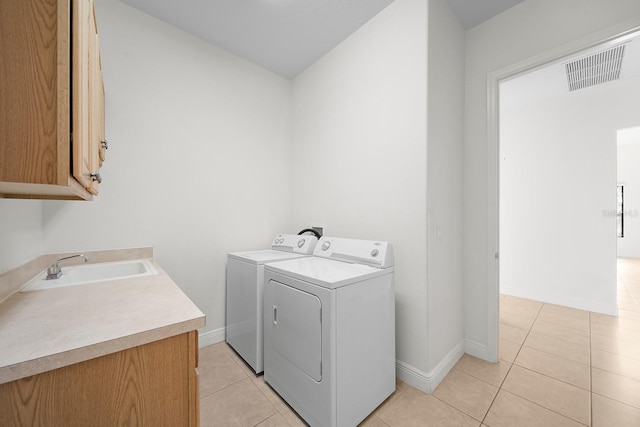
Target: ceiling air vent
[[592, 70]]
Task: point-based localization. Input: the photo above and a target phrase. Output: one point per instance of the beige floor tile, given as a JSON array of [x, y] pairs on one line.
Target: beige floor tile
[[625, 298], [275, 420], [568, 312], [509, 410], [211, 352], [521, 321], [373, 421], [273, 397], [615, 363], [278, 403], [619, 346], [554, 366], [492, 373], [562, 348], [415, 408], [547, 386], [217, 371], [615, 331], [244, 366], [555, 395], [520, 305], [565, 316], [629, 306], [400, 388], [616, 387], [575, 336], [508, 350], [513, 334], [291, 417], [610, 413], [616, 321], [628, 314], [466, 393], [240, 404]]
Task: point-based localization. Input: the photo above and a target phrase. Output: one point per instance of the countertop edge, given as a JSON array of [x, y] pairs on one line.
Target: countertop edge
[[82, 354]]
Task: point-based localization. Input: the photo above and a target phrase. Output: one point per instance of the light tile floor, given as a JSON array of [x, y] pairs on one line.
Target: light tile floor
[[559, 367]]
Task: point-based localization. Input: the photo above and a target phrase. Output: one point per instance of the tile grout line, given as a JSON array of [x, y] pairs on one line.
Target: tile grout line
[[523, 367], [513, 363], [233, 355]]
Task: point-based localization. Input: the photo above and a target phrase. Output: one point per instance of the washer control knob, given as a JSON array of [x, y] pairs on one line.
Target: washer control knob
[[374, 253], [326, 245], [300, 243]]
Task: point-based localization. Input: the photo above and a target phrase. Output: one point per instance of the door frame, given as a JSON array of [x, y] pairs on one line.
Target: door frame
[[609, 36]]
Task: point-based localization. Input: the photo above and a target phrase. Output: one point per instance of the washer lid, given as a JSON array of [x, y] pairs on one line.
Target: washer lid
[[325, 272], [260, 257]]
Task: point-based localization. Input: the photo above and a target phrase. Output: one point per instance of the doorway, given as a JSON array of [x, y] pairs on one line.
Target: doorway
[[495, 82]]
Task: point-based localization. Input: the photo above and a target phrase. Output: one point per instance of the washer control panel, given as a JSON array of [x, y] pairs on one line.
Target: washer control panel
[[294, 243], [368, 252]]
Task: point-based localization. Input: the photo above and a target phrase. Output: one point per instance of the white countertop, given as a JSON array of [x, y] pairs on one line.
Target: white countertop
[[48, 329]]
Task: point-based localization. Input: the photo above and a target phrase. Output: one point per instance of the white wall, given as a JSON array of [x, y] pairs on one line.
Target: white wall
[[360, 165], [198, 159], [629, 176], [529, 29], [557, 190], [360, 152], [20, 232], [445, 134]]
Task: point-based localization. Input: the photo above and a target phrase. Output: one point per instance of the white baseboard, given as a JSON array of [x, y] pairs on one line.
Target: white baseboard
[[475, 349], [610, 308], [424, 381], [428, 381], [211, 337]]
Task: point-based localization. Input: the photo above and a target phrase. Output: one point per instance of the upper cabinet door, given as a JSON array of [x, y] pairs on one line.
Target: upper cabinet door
[[97, 142], [81, 16], [51, 100]]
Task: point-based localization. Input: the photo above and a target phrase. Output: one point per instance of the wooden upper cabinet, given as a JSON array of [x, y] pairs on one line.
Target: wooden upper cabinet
[[51, 100]]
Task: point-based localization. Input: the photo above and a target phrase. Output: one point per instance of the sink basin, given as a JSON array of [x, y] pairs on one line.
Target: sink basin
[[91, 273]]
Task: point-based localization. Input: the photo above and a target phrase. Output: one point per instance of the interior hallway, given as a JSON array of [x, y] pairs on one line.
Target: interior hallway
[[559, 367]]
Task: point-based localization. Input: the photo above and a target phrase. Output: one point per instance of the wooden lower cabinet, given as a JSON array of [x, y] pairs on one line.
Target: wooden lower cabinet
[[151, 385]]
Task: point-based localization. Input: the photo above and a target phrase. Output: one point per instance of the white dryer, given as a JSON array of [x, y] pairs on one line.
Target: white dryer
[[329, 330], [245, 282]]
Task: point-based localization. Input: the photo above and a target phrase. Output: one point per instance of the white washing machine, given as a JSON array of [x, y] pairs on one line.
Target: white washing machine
[[329, 330], [245, 283]]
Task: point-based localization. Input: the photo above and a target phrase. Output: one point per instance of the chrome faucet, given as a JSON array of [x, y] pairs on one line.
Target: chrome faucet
[[54, 272]]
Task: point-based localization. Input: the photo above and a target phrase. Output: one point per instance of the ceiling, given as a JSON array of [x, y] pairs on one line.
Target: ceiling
[[287, 36]]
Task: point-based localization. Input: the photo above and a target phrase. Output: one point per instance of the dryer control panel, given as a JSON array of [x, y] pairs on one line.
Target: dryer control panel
[[294, 243], [368, 252]]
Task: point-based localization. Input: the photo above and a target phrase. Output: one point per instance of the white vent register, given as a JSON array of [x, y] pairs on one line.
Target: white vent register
[[601, 67]]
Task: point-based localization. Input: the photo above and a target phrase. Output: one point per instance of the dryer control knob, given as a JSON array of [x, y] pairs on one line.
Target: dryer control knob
[[374, 253], [326, 245], [301, 243]]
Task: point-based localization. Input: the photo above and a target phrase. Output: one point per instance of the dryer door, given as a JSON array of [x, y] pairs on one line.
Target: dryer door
[[295, 327]]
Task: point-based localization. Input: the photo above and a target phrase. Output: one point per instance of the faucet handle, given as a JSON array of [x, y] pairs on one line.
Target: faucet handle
[[54, 271]]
